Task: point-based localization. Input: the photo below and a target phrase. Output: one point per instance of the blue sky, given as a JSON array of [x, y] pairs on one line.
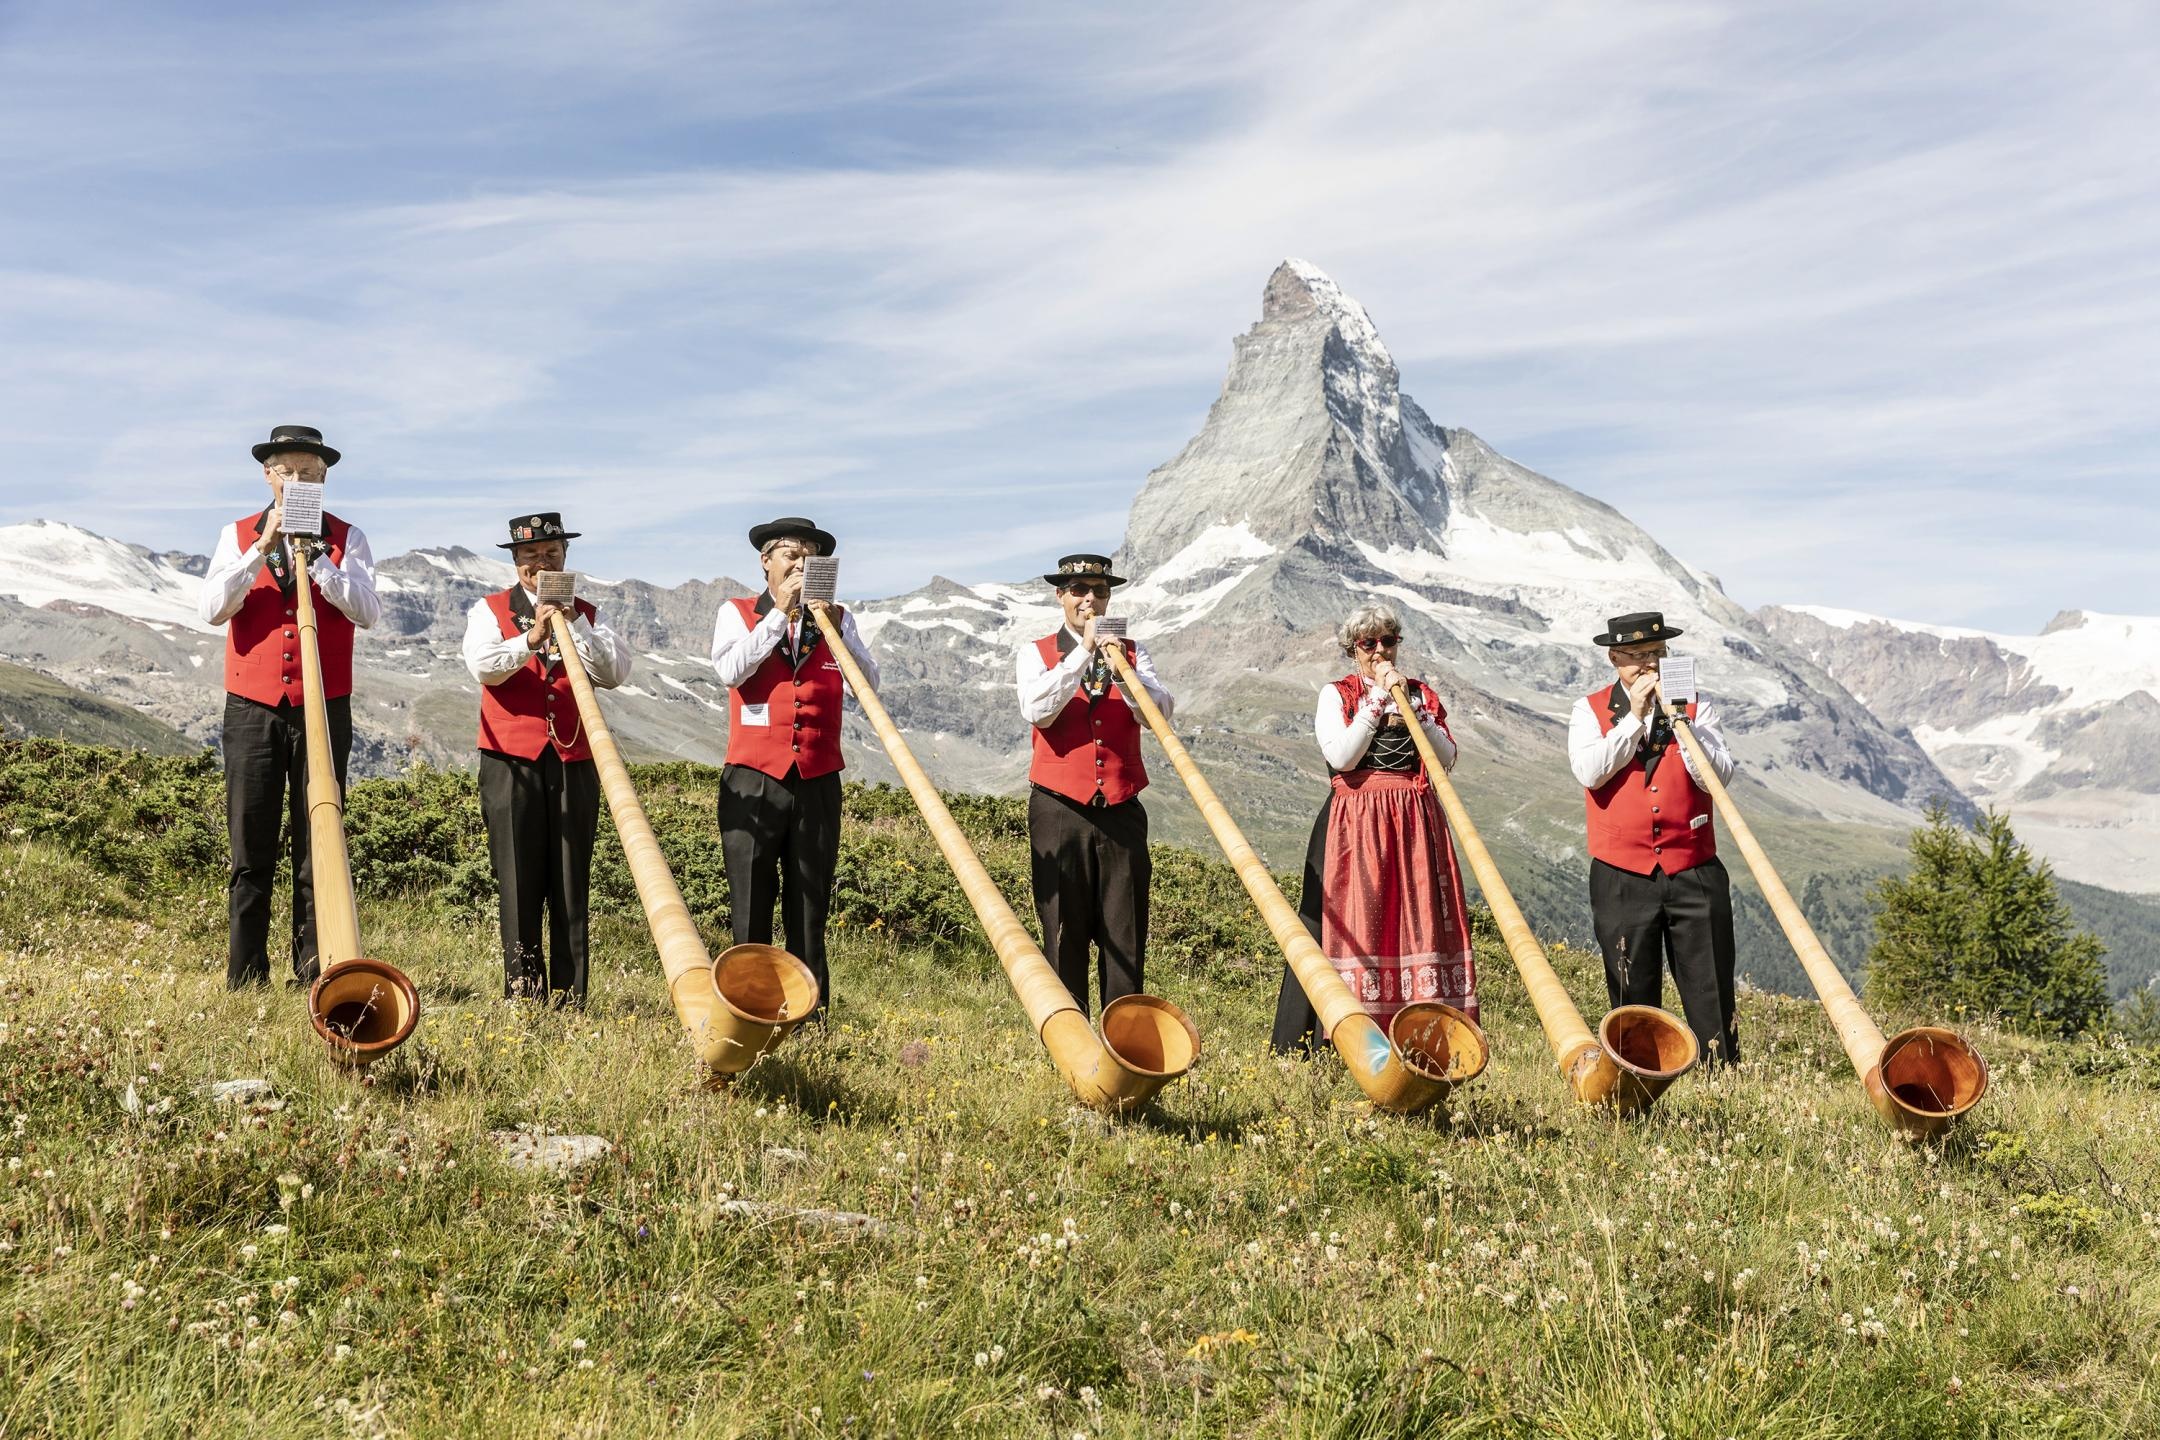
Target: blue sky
[[1851, 304]]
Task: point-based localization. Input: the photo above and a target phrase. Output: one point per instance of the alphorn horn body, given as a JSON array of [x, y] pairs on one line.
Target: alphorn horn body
[[1428, 1048], [1145, 1042], [1920, 1080], [362, 1008], [735, 1009], [1639, 1049]]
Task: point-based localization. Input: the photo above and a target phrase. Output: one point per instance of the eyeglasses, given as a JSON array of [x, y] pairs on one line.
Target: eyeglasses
[[1637, 657], [1378, 642], [1096, 588]]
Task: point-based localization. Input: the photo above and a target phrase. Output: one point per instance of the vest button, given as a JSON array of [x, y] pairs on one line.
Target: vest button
[[289, 614], [1653, 809], [288, 634], [1653, 789]]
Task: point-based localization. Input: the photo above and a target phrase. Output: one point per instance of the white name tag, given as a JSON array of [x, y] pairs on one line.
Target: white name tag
[[757, 714], [1698, 822]]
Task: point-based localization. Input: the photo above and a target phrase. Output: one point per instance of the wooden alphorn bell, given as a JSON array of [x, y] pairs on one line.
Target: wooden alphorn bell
[[1638, 1051], [1920, 1080], [1144, 1043], [735, 1008], [1428, 1048], [361, 1007]]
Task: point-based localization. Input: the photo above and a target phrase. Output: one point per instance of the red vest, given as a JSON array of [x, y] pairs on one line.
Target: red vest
[[262, 640], [1642, 823], [531, 709], [1092, 746], [786, 716]]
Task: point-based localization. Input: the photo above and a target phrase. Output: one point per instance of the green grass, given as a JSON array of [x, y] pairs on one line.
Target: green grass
[[1577, 1276], [1260, 1256]]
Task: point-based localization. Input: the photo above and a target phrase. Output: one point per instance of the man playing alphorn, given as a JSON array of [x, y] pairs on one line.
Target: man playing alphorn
[[780, 788], [1657, 887], [1087, 833], [539, 791], [249, 589]]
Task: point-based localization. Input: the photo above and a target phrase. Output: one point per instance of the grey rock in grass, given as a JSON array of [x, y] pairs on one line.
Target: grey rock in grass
[[555, 1154], [786, 1155], [845, 1222], [243, 1092]]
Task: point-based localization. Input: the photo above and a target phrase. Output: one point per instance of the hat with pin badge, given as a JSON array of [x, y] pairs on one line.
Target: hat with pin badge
[[531, 529], [1084, 567], [1646, 627]]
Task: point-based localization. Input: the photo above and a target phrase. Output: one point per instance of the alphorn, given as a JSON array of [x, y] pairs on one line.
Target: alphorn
[[1920, 1080], [736, 1008], [362, 1008], [1638, 1051], [1145, 1042], [1428, 1048]]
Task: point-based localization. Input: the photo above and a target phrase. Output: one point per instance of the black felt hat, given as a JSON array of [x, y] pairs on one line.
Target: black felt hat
[[536, 527], [1646, 627], [295, 437], [1084, 567], [786, 525]]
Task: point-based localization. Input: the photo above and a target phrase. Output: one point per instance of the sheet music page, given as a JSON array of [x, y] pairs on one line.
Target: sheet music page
[[300, 511], [555, 587], [1676, 677], [821, 578]]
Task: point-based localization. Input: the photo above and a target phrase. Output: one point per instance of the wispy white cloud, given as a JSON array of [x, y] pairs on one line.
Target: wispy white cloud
[[1876, 277]]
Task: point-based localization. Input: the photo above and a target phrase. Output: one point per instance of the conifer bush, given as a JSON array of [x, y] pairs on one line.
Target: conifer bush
[[1975, 926]]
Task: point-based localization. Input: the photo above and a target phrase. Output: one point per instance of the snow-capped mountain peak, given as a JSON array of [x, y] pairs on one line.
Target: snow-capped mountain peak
[[42, 561]]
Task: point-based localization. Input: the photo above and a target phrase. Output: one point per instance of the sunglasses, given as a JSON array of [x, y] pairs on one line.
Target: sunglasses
[[1379, 642], [1096, 588]]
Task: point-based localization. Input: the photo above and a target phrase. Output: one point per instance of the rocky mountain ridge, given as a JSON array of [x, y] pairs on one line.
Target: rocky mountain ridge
[[2060, 728]]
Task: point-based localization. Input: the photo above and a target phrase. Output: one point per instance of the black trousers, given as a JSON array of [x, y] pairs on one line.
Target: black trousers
[[541, 815], [266, 791], [1643, 919], [1091, 873], [780, 842], [1296, 1026]]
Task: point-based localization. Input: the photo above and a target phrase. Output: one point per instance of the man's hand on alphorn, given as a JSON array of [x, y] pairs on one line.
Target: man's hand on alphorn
[[540, 633]]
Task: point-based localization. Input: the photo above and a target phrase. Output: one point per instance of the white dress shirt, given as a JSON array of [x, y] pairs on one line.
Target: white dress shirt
[[349, 584], [1343, 743], [1045, 690], [738, 649], [1596, 758], [493, 657]]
